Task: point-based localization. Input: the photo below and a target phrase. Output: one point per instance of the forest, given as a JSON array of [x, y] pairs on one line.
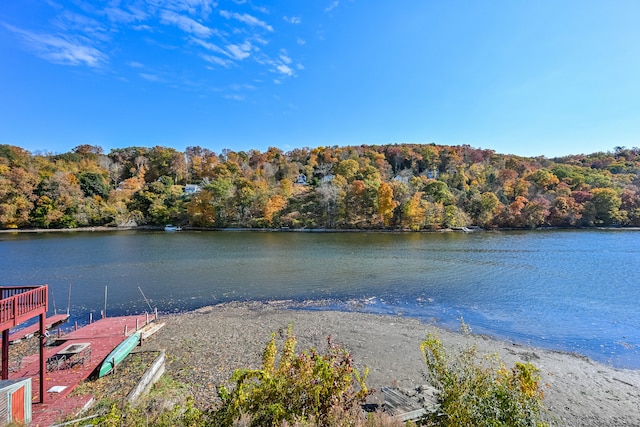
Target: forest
[[393, 187]]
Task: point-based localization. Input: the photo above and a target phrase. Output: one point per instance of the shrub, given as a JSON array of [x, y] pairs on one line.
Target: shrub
[[482, 394], [293, 388]]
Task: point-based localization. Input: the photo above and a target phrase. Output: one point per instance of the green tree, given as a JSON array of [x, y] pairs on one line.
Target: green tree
[[347, 168], [94, 184], [606, 204]]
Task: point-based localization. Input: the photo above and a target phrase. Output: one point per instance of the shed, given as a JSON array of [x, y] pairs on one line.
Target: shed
[[15, 401]]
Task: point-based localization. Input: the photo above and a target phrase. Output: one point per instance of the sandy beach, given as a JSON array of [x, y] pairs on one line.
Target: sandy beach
[[205, 346]]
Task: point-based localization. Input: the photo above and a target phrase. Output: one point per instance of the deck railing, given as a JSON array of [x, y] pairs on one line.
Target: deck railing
[[20, 303]]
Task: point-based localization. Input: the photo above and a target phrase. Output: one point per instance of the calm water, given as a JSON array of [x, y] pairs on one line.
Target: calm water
[[568, 290]]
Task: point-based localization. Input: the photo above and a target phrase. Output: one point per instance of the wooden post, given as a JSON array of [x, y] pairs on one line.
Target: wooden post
[[5, 354], [90, 318], [126, 330], [75, 326], [156, 314], [43, 364], [137, 327], [146, 318]]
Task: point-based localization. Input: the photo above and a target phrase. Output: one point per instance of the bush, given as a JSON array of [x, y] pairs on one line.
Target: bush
[[482, 394], [307, 387]]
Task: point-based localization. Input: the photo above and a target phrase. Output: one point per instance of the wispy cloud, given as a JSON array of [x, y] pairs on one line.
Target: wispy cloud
[[61, 49], [226, 63], [186, 24], [143, 27], [151, 77], [235, 97], [332, 6], [84, 33], [119, 15], [284, 69], [246, 19], [74, 23], [284, 57], [239, 52], [236, 52], [200, 8], [292, 19], [209, 46]]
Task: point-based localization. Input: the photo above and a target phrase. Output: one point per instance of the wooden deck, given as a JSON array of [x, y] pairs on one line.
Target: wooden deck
[[103, 336], [21, 303], [29, 331]]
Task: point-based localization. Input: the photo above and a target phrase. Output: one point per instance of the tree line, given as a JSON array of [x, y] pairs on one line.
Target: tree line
[[398, 186]]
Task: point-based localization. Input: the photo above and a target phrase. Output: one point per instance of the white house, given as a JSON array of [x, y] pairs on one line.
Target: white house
[[192, 189]]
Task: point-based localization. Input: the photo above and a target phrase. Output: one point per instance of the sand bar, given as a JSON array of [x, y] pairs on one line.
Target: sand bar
[[205, 346]]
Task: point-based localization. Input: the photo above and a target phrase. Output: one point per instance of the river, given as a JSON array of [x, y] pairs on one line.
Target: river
[[574, 291]]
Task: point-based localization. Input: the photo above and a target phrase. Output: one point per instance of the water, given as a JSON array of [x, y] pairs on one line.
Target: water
[[573, 291]]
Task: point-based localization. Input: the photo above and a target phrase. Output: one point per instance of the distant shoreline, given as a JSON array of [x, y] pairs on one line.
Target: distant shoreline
[[303, 230]]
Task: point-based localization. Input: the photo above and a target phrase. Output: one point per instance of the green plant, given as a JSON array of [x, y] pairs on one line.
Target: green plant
[[473, 393], [293, 388]]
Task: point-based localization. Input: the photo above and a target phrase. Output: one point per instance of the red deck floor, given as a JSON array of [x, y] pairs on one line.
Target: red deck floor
[[103, 335]]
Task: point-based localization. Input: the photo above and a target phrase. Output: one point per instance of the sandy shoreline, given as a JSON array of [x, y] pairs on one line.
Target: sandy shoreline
[[205, 346]]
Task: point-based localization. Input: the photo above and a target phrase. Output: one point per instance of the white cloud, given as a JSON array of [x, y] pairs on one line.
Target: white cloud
[[134, 64], [69, 22], [239, 52], [284, 58], [186, 24], [246, 19], [284, 69], [217, 60], [332, 6], [143, 27], [234, 51], [194, 7], [235, 97], [300, 41], [122, 16], [150, 77], [61, 50], [209, 46], [260, 40], [292, 19]]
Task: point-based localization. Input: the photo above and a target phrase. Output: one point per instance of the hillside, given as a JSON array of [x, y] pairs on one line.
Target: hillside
[[405, 186]]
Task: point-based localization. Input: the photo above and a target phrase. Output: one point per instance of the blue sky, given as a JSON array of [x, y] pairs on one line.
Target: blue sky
[[523, 77]]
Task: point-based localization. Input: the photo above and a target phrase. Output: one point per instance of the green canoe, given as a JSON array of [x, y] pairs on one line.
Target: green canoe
[[118, 354]]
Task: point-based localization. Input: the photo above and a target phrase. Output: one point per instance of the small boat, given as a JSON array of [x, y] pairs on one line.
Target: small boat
[[118, 354], [171, 228]]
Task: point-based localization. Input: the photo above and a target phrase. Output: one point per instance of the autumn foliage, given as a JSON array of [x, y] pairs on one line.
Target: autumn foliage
[[407, 187]]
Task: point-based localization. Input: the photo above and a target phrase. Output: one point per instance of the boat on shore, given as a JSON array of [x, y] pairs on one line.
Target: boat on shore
[[118, 354], [171, 228]]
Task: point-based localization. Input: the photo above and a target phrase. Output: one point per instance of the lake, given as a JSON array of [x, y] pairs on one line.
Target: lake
[[574, 291]]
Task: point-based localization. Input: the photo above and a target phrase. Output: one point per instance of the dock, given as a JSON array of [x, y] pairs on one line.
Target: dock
[[89, 345]]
